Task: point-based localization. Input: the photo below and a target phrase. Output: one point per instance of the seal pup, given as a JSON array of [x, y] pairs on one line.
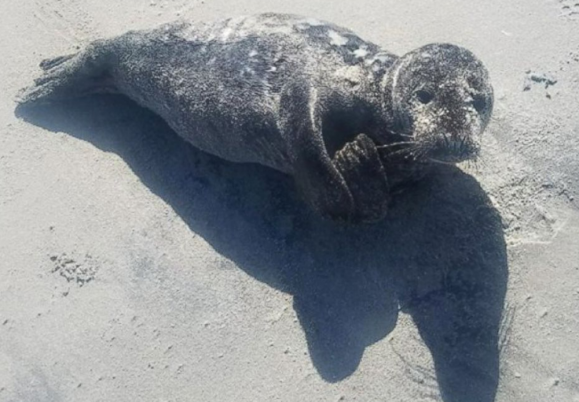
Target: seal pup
[[349, 121]]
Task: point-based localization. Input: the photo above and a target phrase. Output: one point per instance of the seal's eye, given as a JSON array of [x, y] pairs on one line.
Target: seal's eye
[[424, 96], [479, 103]]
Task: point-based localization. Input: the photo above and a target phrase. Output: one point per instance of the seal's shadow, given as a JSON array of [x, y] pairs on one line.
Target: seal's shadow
[[440, 256]]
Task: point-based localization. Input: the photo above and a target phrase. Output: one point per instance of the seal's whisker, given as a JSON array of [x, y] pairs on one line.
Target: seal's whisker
[[421, 150], [395, 144], [401, 151], [446, 141], [440, 162], [403, 135], [480, 161], [473, 164]]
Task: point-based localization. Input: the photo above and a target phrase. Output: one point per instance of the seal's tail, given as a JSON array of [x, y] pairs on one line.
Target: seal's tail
[[69, 76]]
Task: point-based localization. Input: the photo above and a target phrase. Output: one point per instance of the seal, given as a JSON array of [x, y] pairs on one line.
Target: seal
[[349, 121]]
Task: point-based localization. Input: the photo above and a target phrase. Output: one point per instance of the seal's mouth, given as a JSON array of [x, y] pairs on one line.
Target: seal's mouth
[[436, 149], [449, 150]]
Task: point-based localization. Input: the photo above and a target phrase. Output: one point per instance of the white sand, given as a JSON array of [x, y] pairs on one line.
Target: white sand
[[135, 269]]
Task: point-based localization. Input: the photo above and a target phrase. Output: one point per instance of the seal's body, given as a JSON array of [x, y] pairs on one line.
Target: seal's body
[[294, 94]]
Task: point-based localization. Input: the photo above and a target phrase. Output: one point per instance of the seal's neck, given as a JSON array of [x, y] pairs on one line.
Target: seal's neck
[[376, 94]]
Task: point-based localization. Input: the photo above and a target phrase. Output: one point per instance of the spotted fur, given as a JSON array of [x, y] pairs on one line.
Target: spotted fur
[[295, 94]]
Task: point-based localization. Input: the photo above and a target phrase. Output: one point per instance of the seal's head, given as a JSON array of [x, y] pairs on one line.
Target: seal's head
[[442, 101]]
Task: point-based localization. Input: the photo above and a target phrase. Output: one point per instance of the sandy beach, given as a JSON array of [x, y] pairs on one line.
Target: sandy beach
[[137, 268]]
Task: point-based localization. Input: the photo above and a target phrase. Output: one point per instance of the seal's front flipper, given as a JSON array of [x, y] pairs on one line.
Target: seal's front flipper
[[316, 177], [323, 188], [70, 76], [359, 163]]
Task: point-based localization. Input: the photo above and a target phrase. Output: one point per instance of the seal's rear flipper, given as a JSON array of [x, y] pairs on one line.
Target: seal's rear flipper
[[70, 76], [48, 64]]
